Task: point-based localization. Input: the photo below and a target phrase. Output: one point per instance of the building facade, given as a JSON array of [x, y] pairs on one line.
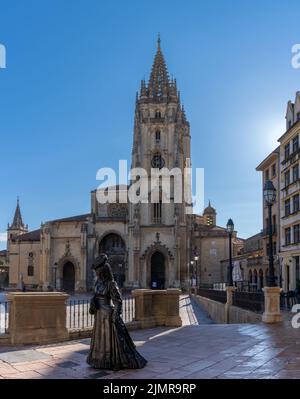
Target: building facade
[[282, 168], [270, 168], [149, 244], [289, 197]]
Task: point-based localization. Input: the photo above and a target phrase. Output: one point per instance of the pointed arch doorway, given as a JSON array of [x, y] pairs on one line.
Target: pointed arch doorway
[[69, 277], [158, 277]]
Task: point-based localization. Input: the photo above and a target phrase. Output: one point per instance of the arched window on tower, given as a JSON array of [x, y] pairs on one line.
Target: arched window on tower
[[30, 268], [157, 212], [157, 136], [157, 114]]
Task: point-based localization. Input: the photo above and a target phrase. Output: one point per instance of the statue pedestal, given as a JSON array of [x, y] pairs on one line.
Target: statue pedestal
[[272, 305]]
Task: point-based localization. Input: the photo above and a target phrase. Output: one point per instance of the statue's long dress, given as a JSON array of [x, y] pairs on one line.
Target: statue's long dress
[[111, 346]]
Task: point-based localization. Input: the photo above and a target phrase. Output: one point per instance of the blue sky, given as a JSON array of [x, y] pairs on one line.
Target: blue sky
[[67, 95]]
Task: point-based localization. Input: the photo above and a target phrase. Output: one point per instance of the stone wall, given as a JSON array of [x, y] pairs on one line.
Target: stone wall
[[215, 310], [40, 317], [222, 313]]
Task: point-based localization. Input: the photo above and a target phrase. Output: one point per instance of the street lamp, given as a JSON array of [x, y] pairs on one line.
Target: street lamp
[[54, 269], [193, 274], [196, 257], [270, 196], [230, 229]]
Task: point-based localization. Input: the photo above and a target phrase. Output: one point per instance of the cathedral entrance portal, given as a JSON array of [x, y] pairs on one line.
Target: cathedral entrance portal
[[114, 247], [69, 277], [158, 271]]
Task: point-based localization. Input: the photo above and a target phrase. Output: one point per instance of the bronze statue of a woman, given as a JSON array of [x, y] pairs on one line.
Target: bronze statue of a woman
[[111, 346]]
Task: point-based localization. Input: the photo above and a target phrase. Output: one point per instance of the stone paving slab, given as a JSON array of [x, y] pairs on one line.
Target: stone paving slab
[[198, 349], [23, 356]]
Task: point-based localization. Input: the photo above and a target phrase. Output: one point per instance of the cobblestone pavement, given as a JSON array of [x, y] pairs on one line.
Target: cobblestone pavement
[[198, 349]]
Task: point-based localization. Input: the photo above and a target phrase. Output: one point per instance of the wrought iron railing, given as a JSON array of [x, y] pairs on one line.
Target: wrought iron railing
[[289, 299], [253, 301], [215, 295], [79, 318], [219, 286], [4, 316]]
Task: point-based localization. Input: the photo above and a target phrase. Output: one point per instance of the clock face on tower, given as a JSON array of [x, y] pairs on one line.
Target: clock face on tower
[[157, 161]]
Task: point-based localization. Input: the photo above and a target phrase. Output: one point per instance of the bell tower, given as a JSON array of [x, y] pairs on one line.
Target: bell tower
[[17, 227], [161, 140]]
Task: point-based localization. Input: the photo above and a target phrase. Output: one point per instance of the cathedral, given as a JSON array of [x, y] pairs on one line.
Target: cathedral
[[150, 245]]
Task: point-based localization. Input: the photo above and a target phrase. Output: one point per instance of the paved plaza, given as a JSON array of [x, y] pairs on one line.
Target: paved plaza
[[198, 349]]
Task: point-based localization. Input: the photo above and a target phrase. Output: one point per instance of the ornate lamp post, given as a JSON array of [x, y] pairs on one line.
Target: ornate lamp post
[[270, 196], [230, 229], [271, 292], [196, 260], [54, 270], [193, 271]]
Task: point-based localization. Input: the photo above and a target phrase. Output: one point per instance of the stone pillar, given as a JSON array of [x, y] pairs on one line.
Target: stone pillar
[[272, 305], [37, 317], [157, 307], [172, 317], [143, 307], [229, 297]]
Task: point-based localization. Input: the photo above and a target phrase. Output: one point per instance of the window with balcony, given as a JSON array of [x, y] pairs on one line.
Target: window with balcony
[[295, 173], [287, 178], [157, 114], [296, 233], [287, 234], [296, 203], [295, 143], [287, 207], [286, 151]]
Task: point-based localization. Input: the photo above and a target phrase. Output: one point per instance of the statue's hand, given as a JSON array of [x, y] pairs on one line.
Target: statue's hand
[[92, 309]]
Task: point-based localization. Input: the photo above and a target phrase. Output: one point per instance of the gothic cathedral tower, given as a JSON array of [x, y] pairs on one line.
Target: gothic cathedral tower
[[159, 233]]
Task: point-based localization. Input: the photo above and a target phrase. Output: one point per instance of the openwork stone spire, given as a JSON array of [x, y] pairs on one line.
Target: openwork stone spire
[[160, 87], [159, 83]]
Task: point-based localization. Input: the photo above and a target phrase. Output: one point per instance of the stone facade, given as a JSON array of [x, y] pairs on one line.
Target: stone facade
[[4, 269], [289, 198], [150, 245], [250, 260], [282, 168], [270, 168]]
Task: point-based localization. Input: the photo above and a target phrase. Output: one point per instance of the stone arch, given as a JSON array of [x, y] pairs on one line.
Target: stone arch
[[106, 233], [250, 276], [69, 259], [157, 271], [113, 244], [255, 276], [168, 258]]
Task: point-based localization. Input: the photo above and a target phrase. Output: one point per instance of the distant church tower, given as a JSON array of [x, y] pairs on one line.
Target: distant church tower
[[17, 227], [159, 235], [210, 216]]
